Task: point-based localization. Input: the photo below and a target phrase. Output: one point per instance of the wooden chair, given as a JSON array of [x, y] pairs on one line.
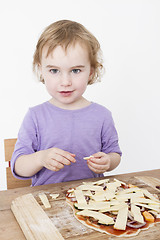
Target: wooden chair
[[12, 182]]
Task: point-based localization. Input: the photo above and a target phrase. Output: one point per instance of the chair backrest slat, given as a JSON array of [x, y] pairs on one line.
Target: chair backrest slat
[[9, 145], [12, 182]]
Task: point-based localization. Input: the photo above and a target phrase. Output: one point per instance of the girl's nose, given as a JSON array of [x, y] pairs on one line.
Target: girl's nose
[[66, 80]]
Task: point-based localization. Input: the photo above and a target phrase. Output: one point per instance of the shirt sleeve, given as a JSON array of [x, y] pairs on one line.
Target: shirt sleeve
[[27, 141], [110, 136]]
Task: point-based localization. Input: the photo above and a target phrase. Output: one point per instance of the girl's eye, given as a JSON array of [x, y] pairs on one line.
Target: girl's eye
[[76, 70], [54, 71]]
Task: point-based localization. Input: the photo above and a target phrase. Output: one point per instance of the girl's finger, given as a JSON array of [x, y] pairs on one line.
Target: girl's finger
[[65, 154], [95, 165], [96, 170], [98, 155], [61, 159], [55, 166], [98, 161]]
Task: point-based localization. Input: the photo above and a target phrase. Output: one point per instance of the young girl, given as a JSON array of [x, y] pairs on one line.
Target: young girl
[[55, 136]]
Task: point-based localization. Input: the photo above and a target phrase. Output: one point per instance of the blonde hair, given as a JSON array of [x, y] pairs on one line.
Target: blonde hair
[[66, 33]]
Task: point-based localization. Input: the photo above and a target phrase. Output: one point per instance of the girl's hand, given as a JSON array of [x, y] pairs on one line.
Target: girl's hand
[[100, 162], [54, 158]]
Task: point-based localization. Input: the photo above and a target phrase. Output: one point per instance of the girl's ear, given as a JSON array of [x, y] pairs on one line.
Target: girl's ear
[[91, 74], [40, 73], [39, 68]]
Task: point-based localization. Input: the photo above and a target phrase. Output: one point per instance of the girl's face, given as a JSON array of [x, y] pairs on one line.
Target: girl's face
[[66, 75]]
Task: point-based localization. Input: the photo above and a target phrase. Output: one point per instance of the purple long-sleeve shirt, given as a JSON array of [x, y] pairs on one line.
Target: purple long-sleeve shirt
[[83, 132]]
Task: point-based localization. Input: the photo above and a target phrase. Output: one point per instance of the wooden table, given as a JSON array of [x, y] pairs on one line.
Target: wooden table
[[70, 228]]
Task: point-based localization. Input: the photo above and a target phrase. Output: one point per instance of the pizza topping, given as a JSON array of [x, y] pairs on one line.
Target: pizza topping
[[102, 196], [149, 195], [92, 205], [134, 224], [149, 206], [73, 199], [100, 182], [90, 187], [121, 220], [80, 196], [154, 213], [54, 195], [130, 216], [88, 193], [122, 183], [87, 158], [148, 216], [104, 202], [127, 196], [145, 200], [102, 218], [137, 213], [130, 190], [44, 200], [71, 194], [113, 208], [70, 190], [113, 186]]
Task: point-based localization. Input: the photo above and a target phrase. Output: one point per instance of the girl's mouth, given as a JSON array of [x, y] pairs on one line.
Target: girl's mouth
[[66, 93]]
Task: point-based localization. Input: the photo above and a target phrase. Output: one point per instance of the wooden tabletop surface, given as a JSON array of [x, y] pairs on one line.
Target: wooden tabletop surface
[[9, 228]]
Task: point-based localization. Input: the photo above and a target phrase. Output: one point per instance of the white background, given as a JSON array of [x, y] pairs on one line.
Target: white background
[[129, 34]]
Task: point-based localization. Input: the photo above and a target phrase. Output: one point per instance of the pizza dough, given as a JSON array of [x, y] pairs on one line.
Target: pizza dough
[[114, 207]]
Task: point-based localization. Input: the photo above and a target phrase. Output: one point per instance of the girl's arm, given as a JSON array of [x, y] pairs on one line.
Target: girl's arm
[[54, 159]]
